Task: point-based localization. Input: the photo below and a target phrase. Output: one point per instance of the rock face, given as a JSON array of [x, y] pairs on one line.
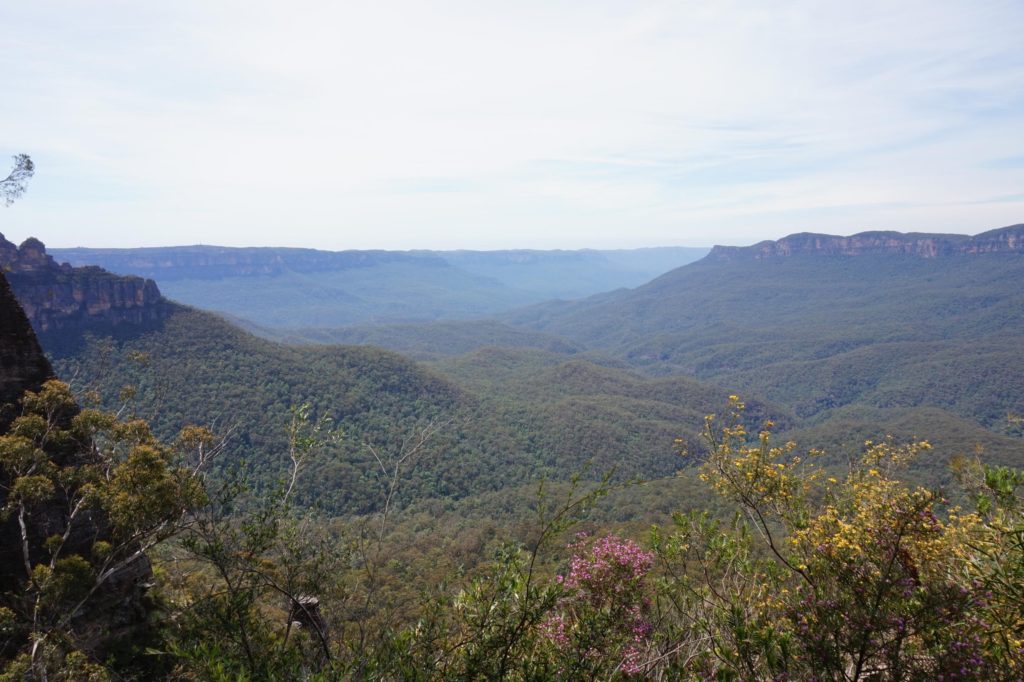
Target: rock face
[[57, 297], [1004, 240], [23, 367]]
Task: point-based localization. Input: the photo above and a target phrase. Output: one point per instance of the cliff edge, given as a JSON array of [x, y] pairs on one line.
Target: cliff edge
[[1003, 240], [58, 296]]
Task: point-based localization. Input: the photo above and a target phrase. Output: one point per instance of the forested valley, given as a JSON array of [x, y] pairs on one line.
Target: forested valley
[[796, 461]]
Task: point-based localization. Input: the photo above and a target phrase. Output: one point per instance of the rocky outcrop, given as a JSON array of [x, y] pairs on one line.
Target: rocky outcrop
[[1007, 239], [1004, 240], [58, 296]]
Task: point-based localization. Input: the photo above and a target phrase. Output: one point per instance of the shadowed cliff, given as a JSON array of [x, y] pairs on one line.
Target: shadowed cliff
[[57, 297], [23, 367]]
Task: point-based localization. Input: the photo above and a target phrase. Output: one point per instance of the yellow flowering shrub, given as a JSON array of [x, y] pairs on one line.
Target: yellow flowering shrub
[[868, 578]]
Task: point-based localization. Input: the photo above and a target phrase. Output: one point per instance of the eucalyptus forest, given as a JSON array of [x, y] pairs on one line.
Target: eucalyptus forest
[[778, 486]]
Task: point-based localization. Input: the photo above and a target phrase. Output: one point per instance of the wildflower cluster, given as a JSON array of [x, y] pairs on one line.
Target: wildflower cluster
[[602, 623]]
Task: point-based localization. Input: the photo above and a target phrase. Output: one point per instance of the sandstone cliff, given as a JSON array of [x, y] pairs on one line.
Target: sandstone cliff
[[58, 296], [1004, 240]]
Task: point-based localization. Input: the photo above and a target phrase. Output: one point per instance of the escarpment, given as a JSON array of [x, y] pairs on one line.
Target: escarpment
[[56, 296], [170, 263], [1003, 240]]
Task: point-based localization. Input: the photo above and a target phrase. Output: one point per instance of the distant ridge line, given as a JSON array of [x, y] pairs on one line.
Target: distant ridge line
[[1003, 240]]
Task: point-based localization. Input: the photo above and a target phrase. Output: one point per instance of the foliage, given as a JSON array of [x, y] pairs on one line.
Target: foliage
[[14, 185], [89, 494], [860, 579], [498, 627], [252, 607], [997, 558]]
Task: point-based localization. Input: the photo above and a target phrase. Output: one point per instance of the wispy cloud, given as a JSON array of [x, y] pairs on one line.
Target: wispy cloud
[[1006, 162], [479, 124]]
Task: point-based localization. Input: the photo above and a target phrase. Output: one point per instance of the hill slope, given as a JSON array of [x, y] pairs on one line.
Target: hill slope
[[816, 329], [555, 418], [428, 340]]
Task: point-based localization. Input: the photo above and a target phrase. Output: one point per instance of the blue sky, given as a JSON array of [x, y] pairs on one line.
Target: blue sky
[[547, 124]]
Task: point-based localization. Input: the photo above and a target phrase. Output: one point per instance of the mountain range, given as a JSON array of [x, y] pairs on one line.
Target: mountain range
[[837, 339], [282, 288]]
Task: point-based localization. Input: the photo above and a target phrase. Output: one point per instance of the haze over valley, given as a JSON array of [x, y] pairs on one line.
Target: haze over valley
[[296, 288]]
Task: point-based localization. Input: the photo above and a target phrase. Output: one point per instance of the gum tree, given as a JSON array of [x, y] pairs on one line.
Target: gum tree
[[16, 182]]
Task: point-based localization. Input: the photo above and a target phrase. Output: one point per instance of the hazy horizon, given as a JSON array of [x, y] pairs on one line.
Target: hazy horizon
[[50, 246], [54, 246]]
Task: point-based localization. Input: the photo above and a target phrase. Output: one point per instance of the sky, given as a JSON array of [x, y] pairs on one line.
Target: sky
[[526, 124]]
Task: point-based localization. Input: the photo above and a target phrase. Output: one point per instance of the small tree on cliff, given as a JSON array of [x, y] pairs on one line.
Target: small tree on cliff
[[14, 185]]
